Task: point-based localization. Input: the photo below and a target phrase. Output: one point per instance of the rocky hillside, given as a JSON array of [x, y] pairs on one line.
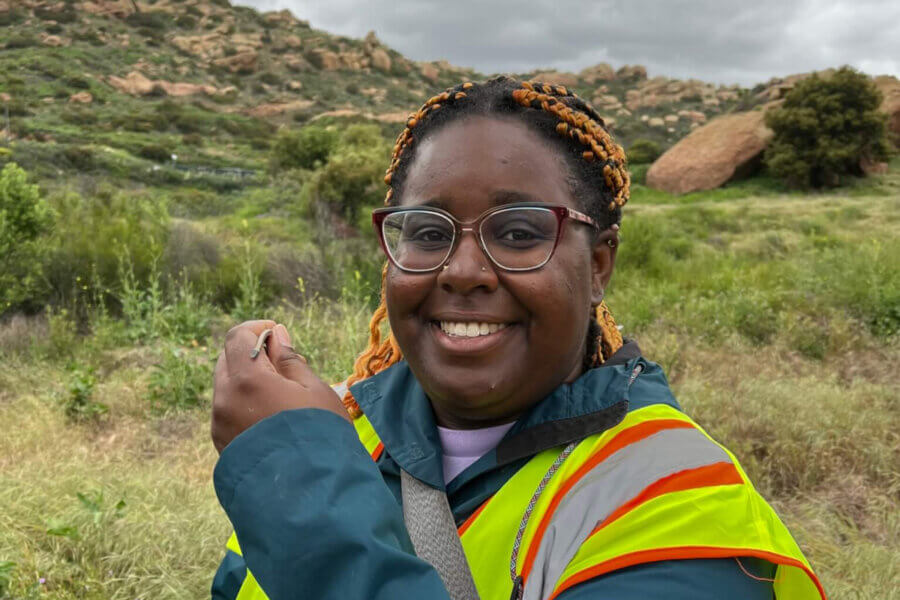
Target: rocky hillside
[[116, 86]]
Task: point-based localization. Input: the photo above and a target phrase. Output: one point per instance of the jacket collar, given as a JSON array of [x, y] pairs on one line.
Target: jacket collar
[[401, 414]]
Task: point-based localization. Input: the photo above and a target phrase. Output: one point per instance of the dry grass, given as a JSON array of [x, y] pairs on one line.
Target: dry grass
[[813, 419]]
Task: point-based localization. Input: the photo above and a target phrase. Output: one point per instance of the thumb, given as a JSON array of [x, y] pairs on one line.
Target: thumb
[[285, 359]]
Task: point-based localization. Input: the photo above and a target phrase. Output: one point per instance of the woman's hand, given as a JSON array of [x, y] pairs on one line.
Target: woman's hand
[[247, 390]]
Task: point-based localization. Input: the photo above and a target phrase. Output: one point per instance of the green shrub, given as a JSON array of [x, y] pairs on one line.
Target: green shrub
[[79, 158], [643, 151], [270, 78], [79, 403], [352, 178], [824, 128], [25, 218], [186, 22], [78, 116], [304, 149], [179, 381], [155, 152], [155, 20], [24, 39], [90, 236]]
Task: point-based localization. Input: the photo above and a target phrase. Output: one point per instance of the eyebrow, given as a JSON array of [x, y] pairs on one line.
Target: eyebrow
[[498, 198]]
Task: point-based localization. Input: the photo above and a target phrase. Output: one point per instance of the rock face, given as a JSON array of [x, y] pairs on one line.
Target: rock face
[[632, 73], [242, 62], [597, 73], [890, 89], [712, 154], [137, 84], [81, 98], [430, 72], [556, 77]]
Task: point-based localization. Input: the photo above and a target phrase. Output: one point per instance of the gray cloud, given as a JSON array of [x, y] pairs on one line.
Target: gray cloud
[[722, 41]]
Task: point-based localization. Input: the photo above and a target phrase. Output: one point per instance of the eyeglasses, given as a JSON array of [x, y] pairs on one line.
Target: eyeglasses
[[515, 237]]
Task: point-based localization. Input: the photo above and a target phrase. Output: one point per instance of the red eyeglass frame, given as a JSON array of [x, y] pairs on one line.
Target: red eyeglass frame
[[562, 213]]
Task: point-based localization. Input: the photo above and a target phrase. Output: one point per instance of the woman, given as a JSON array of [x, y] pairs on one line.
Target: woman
[[569, 469]]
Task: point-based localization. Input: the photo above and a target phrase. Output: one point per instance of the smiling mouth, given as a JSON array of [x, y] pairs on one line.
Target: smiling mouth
[[469, 329]]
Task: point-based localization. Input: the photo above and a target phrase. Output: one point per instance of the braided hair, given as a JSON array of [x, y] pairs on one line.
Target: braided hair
[[597, 178]]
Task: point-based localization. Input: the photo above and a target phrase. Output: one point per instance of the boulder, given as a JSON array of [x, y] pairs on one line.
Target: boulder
[[4, 97], [890, 88], [599, 72], [281, 17], [296, 63], [632, 73], [295, 85], [381, 60], [242, 62], [556, 78], [872, 168], [671, 119], [656, 122], [293, 42], [325, 60], [54, 41], [271, 110], [430, 72], [712, 154], [136, 84], [81, 98]]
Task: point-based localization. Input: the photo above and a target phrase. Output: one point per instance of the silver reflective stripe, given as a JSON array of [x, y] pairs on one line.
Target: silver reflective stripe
[[340, 388], [616, 480]]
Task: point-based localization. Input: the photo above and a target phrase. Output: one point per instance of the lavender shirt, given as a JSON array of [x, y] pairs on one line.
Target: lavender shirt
[[462, 447]]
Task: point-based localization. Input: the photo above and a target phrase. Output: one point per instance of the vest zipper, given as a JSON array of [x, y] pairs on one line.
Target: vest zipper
[[518, 588]]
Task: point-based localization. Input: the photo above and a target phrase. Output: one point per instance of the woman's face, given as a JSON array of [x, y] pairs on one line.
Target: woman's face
[[466, 168]]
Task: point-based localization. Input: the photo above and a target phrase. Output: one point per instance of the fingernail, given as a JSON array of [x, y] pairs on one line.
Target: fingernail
[[281, 334]]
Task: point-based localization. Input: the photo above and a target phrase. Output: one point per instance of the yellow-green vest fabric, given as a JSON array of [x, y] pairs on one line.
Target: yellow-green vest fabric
[[654, 487]]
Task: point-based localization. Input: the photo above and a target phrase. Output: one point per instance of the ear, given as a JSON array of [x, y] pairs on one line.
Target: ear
[[603, 260]]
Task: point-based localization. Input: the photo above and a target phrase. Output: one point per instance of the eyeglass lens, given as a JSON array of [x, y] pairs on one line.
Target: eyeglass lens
[[515, 238]]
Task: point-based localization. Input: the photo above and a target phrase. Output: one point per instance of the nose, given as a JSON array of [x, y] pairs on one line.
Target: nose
[[468, 268]]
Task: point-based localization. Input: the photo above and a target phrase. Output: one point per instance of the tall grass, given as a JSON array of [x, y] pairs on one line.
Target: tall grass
[[775, 318]]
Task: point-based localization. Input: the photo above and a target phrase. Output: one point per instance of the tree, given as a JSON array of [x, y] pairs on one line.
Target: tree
[[24, 218], [305, 149], [825, 127]]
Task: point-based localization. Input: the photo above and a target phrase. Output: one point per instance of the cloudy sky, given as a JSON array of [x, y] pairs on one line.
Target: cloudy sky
[[721, 41]]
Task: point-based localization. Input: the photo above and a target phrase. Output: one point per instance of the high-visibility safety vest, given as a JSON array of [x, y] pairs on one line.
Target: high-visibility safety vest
[[654, 487]]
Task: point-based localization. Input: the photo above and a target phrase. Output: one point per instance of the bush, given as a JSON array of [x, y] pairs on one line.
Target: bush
[[304, 149], [155, 152], [351, 179], [90, 236], [155, 21], [22, 40], [825, 127], [24, 218], [643, 151], [79, 404], [179, 381]]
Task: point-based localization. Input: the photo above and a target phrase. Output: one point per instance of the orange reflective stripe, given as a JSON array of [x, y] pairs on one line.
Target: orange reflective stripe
[[621, 440], [715, 474], [682, 553], [376, 453], [472, 517]]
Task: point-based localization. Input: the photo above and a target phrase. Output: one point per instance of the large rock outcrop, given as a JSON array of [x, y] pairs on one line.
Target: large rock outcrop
[[890, 89], [711, 155]]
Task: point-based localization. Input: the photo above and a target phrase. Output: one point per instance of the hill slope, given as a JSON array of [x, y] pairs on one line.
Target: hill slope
[[98, 84]]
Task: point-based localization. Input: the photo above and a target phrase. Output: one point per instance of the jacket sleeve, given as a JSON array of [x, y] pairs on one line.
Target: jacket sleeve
[[313, 516], [229, 578], [697, 579]]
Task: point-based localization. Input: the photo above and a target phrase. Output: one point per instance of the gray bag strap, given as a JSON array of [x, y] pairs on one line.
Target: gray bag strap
[[432, 530]]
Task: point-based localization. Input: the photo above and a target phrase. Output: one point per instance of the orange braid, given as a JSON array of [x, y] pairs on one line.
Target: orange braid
[[381, 354]]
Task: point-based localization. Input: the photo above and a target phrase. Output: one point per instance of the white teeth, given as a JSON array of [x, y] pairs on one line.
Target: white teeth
[[470, 329]]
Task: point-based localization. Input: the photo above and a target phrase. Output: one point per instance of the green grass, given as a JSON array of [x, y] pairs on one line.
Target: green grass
[[775, 317]]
